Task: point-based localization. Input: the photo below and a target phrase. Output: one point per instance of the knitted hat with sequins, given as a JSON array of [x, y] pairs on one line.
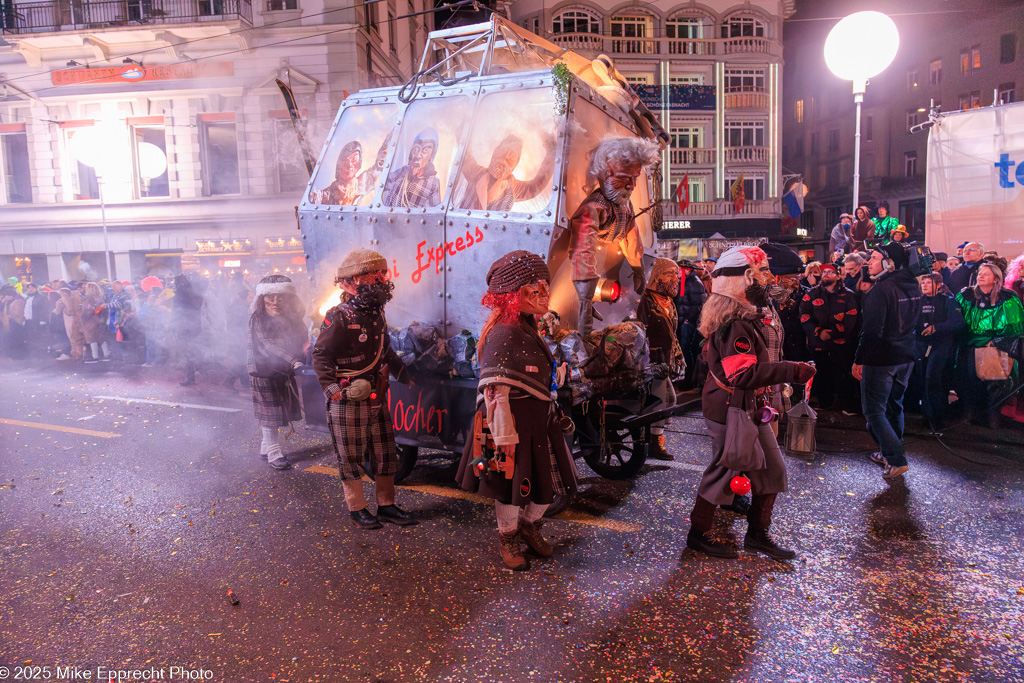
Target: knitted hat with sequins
[[360, 262], [514, 270]]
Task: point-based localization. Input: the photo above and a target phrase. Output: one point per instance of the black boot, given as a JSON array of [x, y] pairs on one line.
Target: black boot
[[365, 520], [700, 537], [658, 451], [394, 515], [759, 520]]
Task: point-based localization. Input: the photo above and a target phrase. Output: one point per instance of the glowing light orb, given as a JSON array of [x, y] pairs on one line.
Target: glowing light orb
[[861, 45]]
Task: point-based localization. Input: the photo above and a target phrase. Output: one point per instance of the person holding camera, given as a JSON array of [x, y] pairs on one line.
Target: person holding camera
[[885, 355]]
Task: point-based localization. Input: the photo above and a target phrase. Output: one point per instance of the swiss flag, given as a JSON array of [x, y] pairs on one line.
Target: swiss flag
[[683, 193]]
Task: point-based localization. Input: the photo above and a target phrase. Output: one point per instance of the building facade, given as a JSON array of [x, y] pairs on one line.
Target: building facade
[[712, 72], [163, 119], [950, 60]]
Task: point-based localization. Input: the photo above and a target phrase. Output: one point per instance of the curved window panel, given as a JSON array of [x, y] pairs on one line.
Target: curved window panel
[[352, 165], [431, 133], [510, 159]]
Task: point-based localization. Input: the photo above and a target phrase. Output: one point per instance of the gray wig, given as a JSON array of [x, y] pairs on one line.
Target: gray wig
[[627, 151]]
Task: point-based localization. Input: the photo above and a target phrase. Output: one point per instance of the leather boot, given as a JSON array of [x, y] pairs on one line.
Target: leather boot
[[511, 555], [759, 520], [531, 535], [658, 451], [700, 537]]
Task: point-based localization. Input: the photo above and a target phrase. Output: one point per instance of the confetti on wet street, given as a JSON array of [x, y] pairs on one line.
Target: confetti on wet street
[[147, 551]]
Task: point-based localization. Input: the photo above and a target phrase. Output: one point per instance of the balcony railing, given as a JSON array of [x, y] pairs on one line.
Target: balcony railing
[[57, 15], [692, 156], [596, 43], [746, 155], [747, 100], [724, 208]]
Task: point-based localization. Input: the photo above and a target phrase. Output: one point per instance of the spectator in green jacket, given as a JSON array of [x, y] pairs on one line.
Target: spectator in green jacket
[[993, 315], [884, 224]]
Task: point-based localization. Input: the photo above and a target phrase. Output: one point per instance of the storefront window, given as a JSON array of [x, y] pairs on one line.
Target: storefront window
[[510, 160], [351, 167]]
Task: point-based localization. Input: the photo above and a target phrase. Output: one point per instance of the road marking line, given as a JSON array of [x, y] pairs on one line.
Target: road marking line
[[199, 406], [678, 465], [60, 428], [567, 516]]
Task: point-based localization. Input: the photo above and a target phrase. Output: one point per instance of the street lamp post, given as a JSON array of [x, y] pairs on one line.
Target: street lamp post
[[877, 41]]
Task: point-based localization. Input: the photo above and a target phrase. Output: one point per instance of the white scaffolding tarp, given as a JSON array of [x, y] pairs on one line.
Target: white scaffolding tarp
[[975, 182]]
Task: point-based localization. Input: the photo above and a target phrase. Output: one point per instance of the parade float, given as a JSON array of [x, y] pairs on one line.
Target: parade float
[[401, 172]]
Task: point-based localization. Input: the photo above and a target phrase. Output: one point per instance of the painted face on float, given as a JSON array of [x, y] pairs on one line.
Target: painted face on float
[[420, 155], [505, 158], [349, 166], [621, 179]]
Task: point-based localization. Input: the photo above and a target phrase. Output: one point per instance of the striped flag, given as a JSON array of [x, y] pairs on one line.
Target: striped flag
[[739, 198]]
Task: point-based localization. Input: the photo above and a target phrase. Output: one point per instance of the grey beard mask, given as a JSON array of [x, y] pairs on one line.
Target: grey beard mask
[[619, 197], [778, 293]]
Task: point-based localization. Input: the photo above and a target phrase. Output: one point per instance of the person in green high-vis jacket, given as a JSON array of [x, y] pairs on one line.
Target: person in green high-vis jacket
[[884, 224], [993, 314]]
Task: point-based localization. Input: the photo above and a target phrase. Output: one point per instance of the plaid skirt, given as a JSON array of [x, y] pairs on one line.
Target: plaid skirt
[[275, 403], [359, 429], [544, 466]]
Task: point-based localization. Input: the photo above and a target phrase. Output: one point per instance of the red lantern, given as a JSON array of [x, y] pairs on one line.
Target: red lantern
[[740, 485]]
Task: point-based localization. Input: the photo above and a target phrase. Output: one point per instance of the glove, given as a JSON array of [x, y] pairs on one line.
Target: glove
[[639, 281], [804, 372]]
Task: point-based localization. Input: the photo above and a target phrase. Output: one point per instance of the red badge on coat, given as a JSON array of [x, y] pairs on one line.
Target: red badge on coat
[[524, 488], [742, 345]]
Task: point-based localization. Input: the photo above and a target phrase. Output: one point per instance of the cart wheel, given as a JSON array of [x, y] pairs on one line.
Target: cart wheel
[[406, 462], [621, 456], [559, 504]]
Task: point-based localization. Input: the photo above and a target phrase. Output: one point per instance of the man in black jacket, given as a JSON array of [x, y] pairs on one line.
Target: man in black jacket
[[688, 304], [885, 355], [940, 323], [967, 274], [828, 314]]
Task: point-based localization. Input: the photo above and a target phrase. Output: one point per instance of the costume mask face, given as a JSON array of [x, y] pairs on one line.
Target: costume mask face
[[759, 280], [667, 284], [504, 160], [372, 292], [534, 299], [349, 166], [618, 185], [421, 154]]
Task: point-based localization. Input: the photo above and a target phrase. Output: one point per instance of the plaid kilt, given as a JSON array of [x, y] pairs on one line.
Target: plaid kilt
[[275, 403], [357, 429]]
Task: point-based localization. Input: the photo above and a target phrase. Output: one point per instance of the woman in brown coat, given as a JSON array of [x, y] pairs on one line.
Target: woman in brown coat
[[94, 322], [516, 399], [70, 306]]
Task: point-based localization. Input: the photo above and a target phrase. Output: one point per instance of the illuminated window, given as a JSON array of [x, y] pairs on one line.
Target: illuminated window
[[912, 80], [15, 184], [632, 28], [798, 111], [975, 57], [935, 72], [219, 156]]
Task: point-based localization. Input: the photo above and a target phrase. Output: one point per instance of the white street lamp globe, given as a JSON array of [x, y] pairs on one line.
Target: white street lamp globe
[[152, 160], [860, 46], [89, 146]]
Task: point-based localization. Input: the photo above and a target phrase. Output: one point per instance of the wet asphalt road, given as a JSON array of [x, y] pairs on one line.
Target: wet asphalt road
[[119, 545]]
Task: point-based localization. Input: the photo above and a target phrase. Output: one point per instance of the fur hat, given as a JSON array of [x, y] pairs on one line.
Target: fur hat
[[660, 267], [275, 284], [360, 262], [516, 269]]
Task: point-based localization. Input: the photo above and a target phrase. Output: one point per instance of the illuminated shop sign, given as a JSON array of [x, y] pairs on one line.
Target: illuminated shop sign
[[134, 74], [273, 245], [219, 246]]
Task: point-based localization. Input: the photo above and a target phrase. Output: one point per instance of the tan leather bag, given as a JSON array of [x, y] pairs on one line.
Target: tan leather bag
[[992, 364]]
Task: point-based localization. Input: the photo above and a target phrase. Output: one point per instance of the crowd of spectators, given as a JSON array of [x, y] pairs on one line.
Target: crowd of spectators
[[971, 300], [189, 322]]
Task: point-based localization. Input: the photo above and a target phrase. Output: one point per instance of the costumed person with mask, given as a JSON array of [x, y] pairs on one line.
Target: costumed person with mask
[[352, 358], [841, 240], [657, 312], [276, 347], [494, 187], [416, 184], [516, 404], [606, 218], [739, 375], [688, 304], [781, 317]]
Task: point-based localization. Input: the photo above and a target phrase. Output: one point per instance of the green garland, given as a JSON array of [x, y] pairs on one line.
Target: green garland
[[562, 77]]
